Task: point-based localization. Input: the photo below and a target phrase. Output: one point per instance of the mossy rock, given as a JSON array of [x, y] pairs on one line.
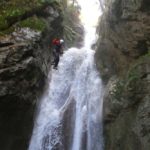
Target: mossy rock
[[34, 23], [16, 8], [7, 31], [134, 72], [3, 23]]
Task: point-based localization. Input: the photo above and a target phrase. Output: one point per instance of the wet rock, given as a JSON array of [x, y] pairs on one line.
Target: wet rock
[[68, 117], [126, 114], [25, 34], [21, 80], [122, 57], [24, 66], [25, 61], [123, 38]]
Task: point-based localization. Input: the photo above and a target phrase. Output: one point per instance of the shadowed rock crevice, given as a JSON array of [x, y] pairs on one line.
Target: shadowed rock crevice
[[145, 6], [142, 47], [6, 44]]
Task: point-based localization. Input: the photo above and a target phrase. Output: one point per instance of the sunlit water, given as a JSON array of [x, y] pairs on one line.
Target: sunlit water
[[70, 113]]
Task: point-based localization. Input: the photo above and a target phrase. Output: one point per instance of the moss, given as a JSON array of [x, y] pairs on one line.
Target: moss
[[3, 22], [117, 90], [9, 10], [133, 73], [15, 8], [131, 80], [12, 12], [33, 23], [7, 31], [146, 55], [2, 34]]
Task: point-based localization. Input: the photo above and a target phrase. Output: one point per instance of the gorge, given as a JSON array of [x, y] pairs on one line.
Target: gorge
[[68, 118], [97, 99]]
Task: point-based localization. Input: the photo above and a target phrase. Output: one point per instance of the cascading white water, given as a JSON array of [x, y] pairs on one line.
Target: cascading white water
[[87, 93], [75, 86]]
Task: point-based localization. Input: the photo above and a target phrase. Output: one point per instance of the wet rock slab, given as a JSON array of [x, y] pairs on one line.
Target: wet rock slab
[[20, 80]]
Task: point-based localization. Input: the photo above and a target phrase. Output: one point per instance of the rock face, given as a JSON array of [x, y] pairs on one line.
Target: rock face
[[25, 61], [123, 58], [26, 31]]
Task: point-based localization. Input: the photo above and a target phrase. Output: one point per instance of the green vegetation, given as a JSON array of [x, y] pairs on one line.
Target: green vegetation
[[71, 19], [15, 8], [117, 89], [133, 73], [3, 22], [131, 81], [11, 9], [33, 23], [147, 55], [16, 13], [7, 31]]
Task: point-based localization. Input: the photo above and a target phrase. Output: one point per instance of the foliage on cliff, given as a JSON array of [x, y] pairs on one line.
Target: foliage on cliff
[[14, 11], [30, 13], [73, 30]]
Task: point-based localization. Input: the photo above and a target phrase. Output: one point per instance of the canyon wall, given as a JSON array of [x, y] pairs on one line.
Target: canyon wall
[[26, 31], [123, 59]]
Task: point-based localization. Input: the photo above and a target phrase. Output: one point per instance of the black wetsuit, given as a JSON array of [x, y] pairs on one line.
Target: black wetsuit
[[56, 54]]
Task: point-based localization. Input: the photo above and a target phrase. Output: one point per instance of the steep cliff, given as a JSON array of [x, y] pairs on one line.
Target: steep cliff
[[26, 29], [24, 65], [123, 58]]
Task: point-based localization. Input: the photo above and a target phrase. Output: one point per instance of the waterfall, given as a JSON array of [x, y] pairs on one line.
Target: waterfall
[[70, 112]]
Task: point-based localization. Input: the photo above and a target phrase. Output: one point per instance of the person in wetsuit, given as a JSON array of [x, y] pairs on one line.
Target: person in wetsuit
[[57, 51]]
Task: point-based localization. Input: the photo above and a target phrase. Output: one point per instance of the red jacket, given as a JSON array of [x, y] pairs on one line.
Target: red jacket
[[56, 42]]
